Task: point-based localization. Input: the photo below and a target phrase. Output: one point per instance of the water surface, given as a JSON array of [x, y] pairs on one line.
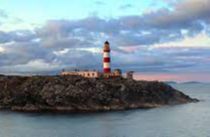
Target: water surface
[[188, 120]]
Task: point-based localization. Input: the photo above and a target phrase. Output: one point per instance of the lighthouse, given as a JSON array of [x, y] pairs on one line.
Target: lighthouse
[[106, 58], [106, 74]]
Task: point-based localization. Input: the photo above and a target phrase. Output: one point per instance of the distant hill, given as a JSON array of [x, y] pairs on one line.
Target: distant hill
[[192, 82], [188, 82]]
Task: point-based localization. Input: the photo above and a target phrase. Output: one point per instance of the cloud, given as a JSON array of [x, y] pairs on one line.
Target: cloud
[[1, 50], [201, 40], [165, 40], [10, 23], [17, 36], [125, 6], [183, 13], [100, 2], [3, 14], [179, 77], [35, 66]]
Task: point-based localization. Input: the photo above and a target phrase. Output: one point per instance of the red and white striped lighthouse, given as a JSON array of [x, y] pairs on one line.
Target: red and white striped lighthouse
[[106, 58]]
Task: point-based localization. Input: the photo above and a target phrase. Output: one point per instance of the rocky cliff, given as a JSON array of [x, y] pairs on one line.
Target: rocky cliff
[[77, 94]]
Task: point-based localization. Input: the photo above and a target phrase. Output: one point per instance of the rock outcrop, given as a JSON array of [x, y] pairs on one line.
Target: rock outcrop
[[77, 94]]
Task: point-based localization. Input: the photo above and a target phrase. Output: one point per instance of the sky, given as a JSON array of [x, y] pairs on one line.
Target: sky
[[165, 40]]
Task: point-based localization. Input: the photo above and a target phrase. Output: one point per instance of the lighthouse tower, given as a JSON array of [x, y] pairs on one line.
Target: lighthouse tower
[[106, 58]]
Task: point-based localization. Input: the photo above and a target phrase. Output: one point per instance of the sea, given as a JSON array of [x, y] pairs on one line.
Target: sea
[[187, 120]]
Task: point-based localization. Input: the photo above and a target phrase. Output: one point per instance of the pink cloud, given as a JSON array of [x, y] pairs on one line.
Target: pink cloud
[[130, 48], [133, 48], [179, 77]]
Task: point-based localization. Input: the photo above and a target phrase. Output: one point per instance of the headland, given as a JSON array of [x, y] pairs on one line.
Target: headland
[[80, 94]]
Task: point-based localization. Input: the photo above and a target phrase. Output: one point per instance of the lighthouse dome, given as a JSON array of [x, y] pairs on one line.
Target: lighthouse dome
[[106, 46], [106, 42]]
